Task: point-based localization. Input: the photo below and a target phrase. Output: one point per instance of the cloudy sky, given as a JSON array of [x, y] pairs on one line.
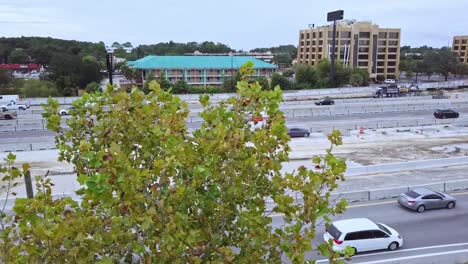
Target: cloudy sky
[[241, 24]]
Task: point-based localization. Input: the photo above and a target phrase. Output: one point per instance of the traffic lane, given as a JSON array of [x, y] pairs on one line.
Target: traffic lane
[[431, 228], [7, 137]]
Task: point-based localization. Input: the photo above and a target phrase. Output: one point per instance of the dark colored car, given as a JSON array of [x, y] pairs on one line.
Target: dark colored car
[[421, 199], [446, 114], [326, 101], [298, 132]]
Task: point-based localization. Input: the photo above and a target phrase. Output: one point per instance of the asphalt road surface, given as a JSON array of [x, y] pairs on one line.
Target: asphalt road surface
[[436, 234], [307, 122]]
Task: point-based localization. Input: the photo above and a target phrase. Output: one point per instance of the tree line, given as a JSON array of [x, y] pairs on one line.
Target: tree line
[[429, 61]]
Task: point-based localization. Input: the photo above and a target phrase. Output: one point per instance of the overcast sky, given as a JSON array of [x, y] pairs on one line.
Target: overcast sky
[[241, 24]]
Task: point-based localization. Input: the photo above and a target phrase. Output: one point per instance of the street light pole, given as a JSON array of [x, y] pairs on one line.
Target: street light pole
[[334, 16], [110, 63]]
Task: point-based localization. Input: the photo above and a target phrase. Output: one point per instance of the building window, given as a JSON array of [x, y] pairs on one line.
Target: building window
[[314, 43], [308, 36], [363, 64], [380, 70], [313, 56], [320, 50], [382, 43], [308, 43], [345, 34], [313, 49], [313, 35], [363, 57], [463, 48], [381, 63], [301, 56], [390, 70], [302, 35], [363, 49], [380, 49], [381, 57], [383, 35], [320, 35], [364, 34], [456, 41], [364, 42], [393, 35], [393, 42], [391, 63], [392, 57], [302, 50], [331, 41], [464, 41], [307, 49], [320, 42], [319, 57], [392, 49], [307, 56], [345, 42]]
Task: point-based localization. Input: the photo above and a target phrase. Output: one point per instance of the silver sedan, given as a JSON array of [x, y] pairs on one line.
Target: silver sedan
[[422, 199]]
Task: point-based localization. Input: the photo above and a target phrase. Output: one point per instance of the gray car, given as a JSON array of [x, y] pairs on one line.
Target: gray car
[[422, 199]]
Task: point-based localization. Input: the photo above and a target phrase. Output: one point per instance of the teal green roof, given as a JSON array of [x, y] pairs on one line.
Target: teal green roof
[[198, 62]]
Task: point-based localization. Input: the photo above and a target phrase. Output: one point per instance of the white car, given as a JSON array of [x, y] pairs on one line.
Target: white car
[[362, 234], [66, 111], [14, 106], [390, 81]]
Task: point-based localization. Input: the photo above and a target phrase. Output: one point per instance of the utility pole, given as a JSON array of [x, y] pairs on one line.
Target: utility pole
[[334, 16]]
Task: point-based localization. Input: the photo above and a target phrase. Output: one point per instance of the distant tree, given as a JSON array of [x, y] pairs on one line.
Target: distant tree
[[364, 74], [356, 80], [306, 76], [264, 83], [18, 56], [281, 81], [427, 64], [6, 77], [229, 83], [127, 45], [445, 62], [181, 87], [288, 73], [130, 74], [38, 88], [93, 87], [163, 82]]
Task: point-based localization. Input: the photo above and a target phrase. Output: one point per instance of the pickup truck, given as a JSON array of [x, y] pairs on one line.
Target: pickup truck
[[14, 106], [7, 115]]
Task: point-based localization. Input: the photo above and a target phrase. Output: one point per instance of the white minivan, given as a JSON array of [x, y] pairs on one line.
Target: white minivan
[[5, 99], [362, 234]]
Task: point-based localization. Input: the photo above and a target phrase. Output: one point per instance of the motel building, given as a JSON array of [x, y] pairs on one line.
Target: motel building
[[200, 70]]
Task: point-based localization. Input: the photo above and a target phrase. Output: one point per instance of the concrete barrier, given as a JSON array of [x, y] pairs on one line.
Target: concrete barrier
[[438, 187], [404, 166], [380, 194], [386, 124], [351, 196], [405, 123], [456, 186], [302, 112], [29, 127]]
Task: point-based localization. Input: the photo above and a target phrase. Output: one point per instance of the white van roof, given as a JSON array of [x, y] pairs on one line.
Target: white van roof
[[355, 224]]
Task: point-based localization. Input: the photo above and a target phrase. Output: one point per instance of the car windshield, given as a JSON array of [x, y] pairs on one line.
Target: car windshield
[[334, 232], [412, 194], [383, 228]]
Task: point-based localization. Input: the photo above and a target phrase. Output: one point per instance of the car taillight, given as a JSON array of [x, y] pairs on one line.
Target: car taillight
[[411, 202], [337, 241], [257, 119]]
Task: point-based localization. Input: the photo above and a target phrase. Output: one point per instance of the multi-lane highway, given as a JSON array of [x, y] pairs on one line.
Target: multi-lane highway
[[429, 235]]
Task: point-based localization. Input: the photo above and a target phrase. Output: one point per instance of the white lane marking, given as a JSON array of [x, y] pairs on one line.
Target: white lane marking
[[402, 250], [415, 257]]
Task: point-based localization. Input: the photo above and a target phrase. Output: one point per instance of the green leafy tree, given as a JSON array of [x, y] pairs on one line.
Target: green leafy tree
[[130, 74], [356, 80], [6, 77], [163, 82], [306, 76], [445, 62], [229, 83], [288, 73], [38, 88], [151, 192], [18, 56], [181, 87], [264, 83], [281, 81], [93, 87], [363, 73]]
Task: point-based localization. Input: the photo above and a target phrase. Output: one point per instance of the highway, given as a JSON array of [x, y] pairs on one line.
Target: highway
[[434, 232], [307, 122]]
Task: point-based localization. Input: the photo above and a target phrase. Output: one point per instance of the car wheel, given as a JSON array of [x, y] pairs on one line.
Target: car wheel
[[451, 205], [421, 208], [8, 117], [355, 251], [63, 113], [332, 103], [22, 108], [393, 246], [306, 135]]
